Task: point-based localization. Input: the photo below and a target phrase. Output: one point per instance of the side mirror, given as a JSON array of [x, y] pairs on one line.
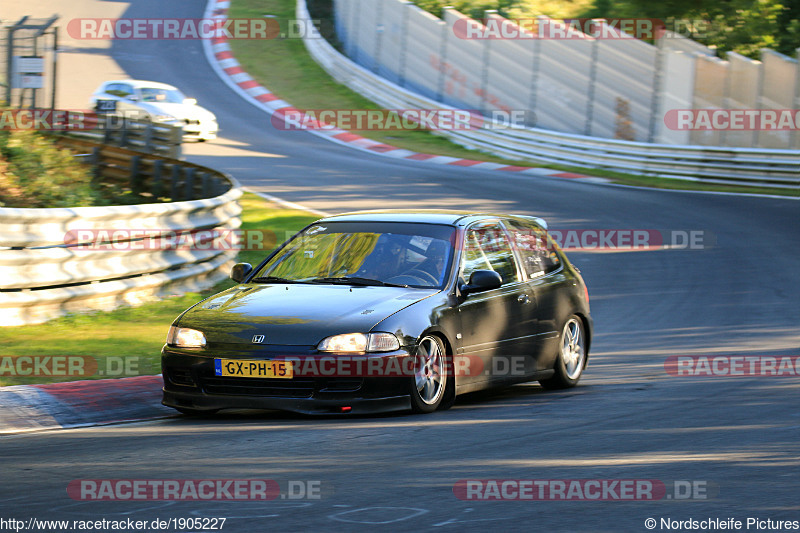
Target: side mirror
[[481, 281], [190, 101], [240, 271]]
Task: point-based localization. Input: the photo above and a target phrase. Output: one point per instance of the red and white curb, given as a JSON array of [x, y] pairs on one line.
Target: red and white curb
[[219, 55], [25, 408]]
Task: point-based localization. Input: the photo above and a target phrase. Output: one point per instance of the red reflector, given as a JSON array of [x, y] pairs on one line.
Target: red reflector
[[346, 409]]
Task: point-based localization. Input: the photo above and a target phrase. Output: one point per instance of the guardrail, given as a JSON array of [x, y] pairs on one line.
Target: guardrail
[[145, 176], [732, 166], [143, 136], [56, 261]]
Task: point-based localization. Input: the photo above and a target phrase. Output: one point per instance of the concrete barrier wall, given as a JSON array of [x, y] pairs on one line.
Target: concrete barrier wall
[[778, 91], [572, 85], [741, 166], [744, 82]]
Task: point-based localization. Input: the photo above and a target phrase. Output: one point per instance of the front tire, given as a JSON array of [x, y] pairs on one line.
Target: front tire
[[571, 358], [429, 383]]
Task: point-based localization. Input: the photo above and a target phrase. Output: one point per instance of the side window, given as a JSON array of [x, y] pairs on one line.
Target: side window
[[114, 89], [535, 247], [119, 89], [486, 247], [125, 89]]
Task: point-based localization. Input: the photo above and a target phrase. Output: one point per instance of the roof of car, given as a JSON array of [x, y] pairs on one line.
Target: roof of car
[[427, 216], [144, 83]]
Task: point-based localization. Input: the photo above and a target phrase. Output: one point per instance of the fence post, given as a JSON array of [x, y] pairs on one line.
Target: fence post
[[485, 68], [442, 61], [537, 48], [655, 100], [354, 27], [134, 180], [379, 30], [401, 74], [123, 135], [148, 139], [795, 137], [157, 187], [94, 159], [205, 181], [108, 130], [176, 141], [592, 83], [175, 193], [759, 98], [189, 186]]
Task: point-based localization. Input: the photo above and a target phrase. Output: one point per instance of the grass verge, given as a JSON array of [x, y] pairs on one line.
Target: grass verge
[[292, 74], [128, 341]]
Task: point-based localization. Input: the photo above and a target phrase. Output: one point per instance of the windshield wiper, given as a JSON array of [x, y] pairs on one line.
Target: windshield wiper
[[273, 279], [355, 280]]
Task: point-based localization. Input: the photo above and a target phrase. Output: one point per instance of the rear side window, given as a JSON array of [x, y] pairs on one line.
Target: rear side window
[[535, 248], [486, 247]]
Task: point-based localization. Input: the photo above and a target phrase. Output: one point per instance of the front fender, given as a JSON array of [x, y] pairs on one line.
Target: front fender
[[431, 315]]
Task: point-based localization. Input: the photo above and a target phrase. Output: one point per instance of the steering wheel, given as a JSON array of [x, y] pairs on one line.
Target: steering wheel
[[421, 274]]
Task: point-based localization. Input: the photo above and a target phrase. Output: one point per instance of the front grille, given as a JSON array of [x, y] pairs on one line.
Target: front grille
[[284, 388]]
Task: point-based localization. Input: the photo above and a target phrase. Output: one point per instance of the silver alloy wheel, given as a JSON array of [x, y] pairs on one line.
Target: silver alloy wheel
[[428, 370], [572, 348]]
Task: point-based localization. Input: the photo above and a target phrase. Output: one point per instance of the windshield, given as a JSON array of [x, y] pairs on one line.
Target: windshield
[[404, 254], [164, 96]]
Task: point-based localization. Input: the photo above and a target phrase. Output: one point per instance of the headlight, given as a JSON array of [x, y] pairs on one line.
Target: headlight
[[185, 338], [360, 343], [163, 118]]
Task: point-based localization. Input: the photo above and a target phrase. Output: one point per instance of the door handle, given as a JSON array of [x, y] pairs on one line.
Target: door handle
[[523, 299]]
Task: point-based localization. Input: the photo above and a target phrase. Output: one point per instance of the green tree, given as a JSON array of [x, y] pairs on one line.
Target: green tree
[[472, 8], [743, 26]]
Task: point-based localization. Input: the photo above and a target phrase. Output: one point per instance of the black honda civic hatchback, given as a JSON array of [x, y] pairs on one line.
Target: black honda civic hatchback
[[382, 311]]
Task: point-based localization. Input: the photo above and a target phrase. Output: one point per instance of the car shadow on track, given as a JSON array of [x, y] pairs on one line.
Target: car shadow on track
[[494, 399]]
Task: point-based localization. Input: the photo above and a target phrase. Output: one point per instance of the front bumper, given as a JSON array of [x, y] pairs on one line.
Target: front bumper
[[190, 382], [309, 406], [200, 130]]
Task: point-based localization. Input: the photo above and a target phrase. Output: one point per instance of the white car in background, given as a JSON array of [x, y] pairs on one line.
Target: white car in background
[[157, 102]]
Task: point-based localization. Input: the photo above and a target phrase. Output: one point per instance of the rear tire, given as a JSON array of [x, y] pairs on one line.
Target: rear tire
[[571, 358], [429, 384]]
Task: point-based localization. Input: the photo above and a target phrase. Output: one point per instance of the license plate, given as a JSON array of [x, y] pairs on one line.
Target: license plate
[[253, 369], [106, 106]]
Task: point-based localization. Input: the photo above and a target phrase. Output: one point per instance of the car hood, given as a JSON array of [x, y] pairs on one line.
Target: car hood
[[180, 111], [296, 314]]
